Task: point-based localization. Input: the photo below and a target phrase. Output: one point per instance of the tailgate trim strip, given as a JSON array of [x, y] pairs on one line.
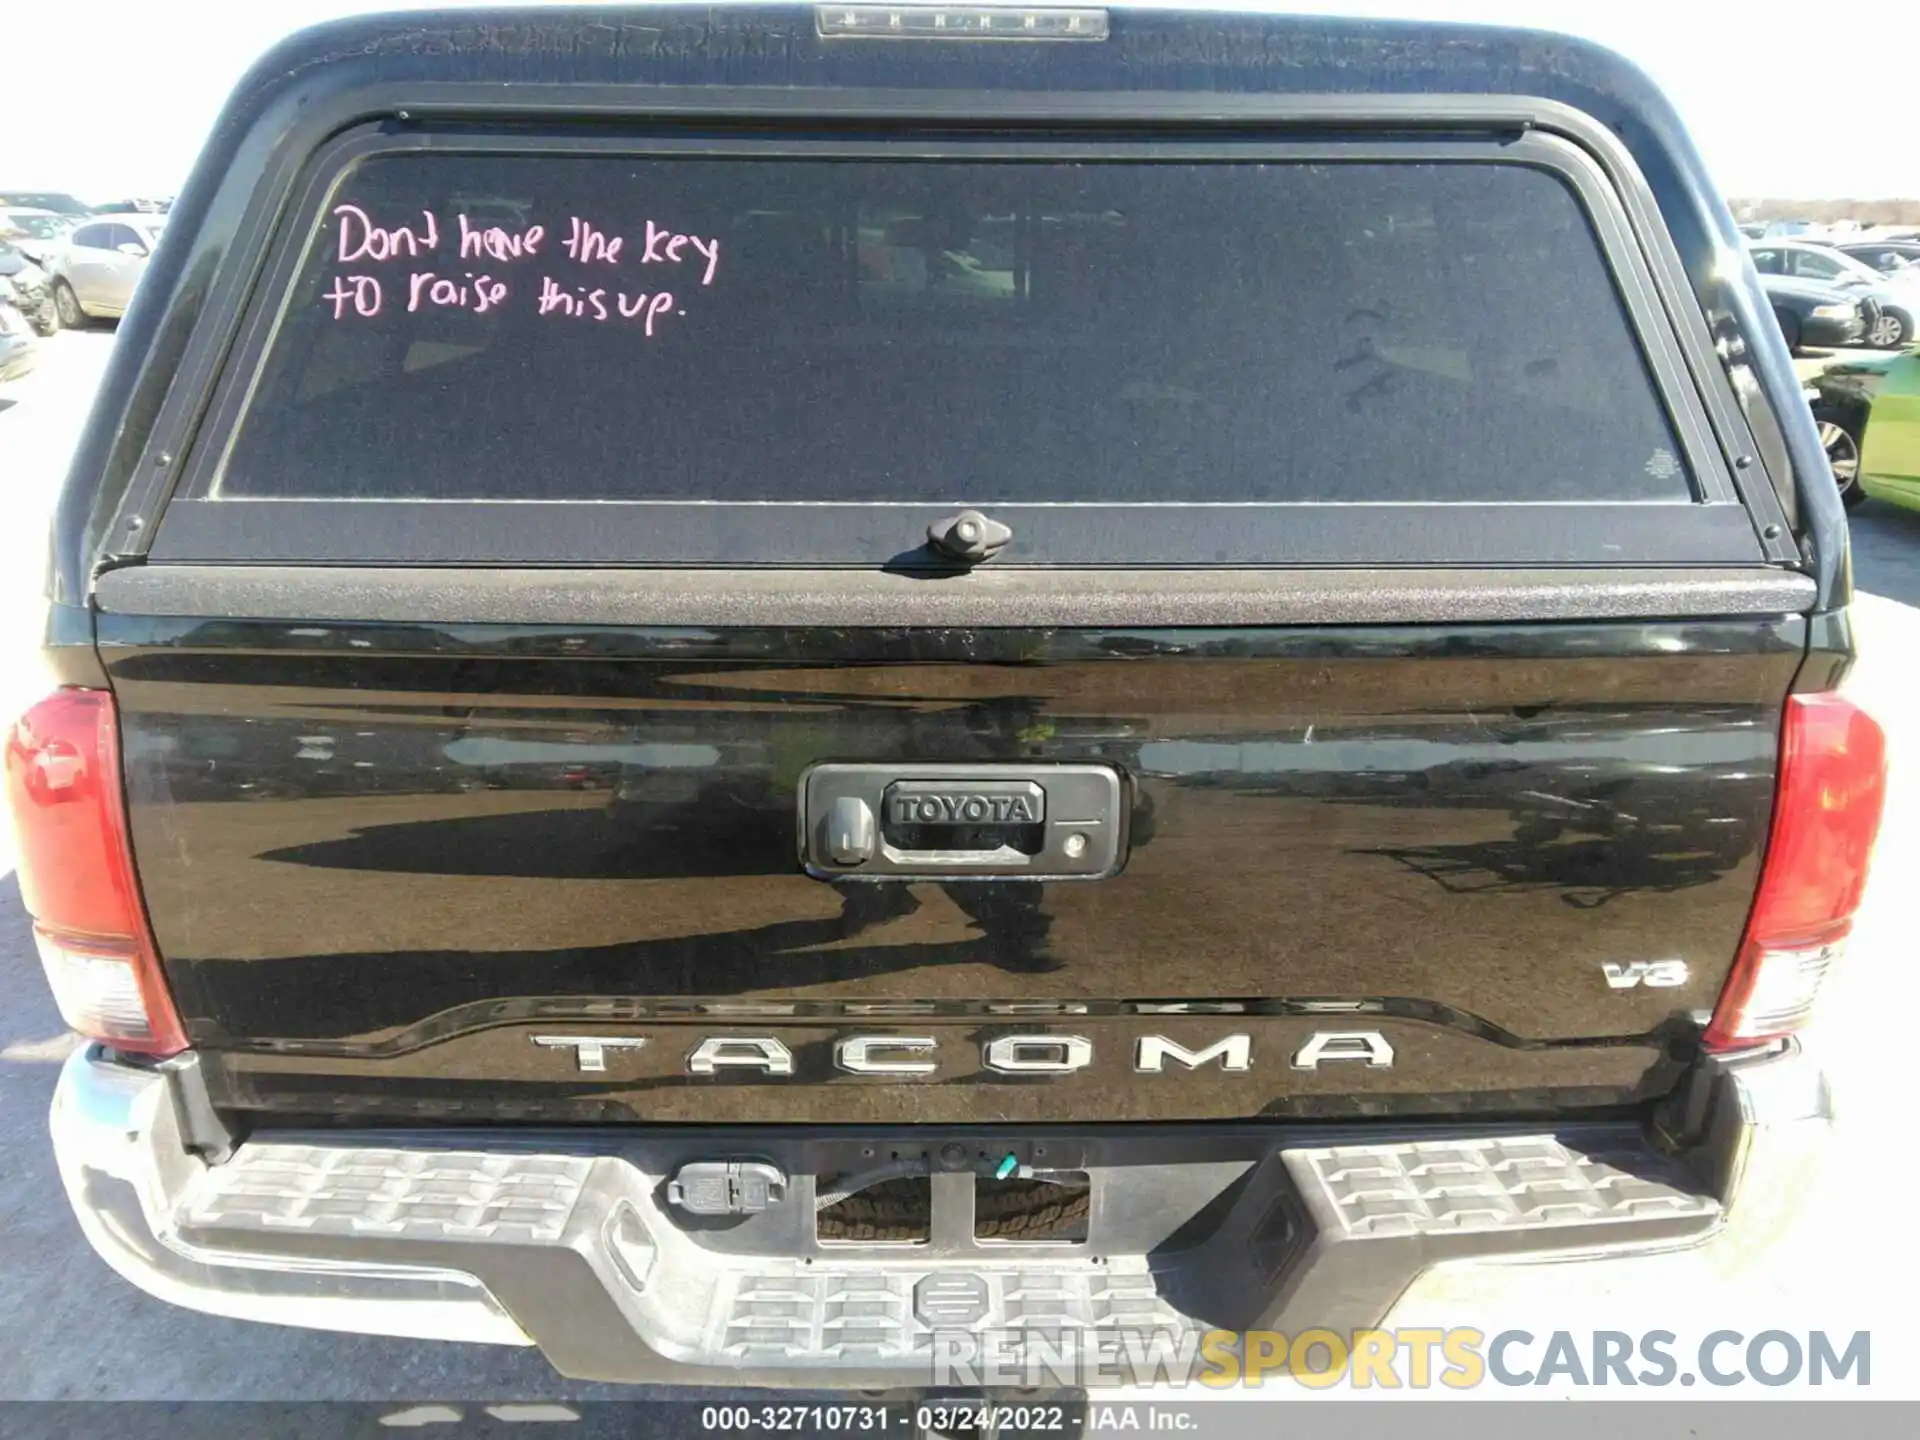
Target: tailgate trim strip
[[1042, 598]]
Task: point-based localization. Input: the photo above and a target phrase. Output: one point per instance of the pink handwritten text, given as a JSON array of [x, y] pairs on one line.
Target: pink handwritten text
[[497, 243], [589, 304], [631, 306], [586, 243], [478, 294], [583, 304], [362, 292], [361, 239], [666, 247]]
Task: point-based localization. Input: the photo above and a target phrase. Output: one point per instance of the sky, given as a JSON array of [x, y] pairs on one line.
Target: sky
[[1816, 104]]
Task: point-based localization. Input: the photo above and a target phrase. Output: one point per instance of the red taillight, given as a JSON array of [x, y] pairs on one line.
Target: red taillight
[[76, 874], [1826, 812]]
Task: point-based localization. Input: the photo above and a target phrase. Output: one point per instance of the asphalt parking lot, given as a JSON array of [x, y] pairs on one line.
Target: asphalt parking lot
[[71, 1329]]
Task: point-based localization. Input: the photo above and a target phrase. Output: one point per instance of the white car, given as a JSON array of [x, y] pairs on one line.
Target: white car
[[36, 234], [96, 270]]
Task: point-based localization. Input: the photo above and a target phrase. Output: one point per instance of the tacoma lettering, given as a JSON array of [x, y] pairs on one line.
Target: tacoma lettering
[[900, 1056]]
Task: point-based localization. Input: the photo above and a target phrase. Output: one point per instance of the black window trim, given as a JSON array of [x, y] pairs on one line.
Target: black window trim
[[1716, 529]]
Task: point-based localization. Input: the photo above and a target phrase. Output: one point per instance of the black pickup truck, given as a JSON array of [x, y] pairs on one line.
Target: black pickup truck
[[770, 695]]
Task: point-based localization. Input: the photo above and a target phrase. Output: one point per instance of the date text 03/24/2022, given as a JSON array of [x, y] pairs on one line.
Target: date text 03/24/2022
[[942, 1417]]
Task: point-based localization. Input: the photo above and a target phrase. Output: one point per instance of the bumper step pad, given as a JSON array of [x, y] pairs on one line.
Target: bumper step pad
[[891, 1317], [404, 1194], [1498, 1184]]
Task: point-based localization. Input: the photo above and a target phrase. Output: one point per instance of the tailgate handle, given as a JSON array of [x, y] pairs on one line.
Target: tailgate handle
[[1035, 822]]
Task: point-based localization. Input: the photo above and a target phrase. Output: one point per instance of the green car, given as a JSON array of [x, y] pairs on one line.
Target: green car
[[1881, 459]]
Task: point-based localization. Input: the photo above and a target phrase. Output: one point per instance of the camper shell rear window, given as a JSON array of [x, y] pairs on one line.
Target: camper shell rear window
[[1134, 354]]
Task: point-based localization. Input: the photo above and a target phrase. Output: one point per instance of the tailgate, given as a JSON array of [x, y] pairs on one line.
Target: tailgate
[[563, 685], [399, 876]]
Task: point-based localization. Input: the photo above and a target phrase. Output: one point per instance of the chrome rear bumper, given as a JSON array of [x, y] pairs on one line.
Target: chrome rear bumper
[[117, 1137], [563, 1239]]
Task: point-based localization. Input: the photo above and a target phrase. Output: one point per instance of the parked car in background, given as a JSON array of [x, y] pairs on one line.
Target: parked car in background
[[35, 233], [133, 207], [1868, 411], [58, 201], [1898, 316], [18, 349], [1809, 313], [1820, 260], [1842, 444], [95, 272], [1888, 257], [31, 286]]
